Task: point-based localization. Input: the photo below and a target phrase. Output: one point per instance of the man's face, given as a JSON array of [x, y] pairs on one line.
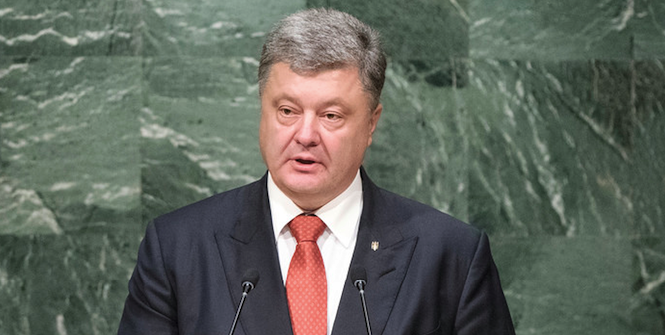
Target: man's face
[[314, 131]]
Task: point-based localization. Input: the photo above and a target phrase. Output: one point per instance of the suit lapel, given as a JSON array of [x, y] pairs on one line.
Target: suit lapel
[[385, 262], [251, 244]]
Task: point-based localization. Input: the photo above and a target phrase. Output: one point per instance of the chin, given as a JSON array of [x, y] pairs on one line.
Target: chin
[[302, 186]]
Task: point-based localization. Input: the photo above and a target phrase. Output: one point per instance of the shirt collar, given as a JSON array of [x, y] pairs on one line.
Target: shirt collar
[[341, 215]]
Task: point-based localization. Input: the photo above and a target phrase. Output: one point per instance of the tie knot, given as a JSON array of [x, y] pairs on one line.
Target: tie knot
[[306, 228]]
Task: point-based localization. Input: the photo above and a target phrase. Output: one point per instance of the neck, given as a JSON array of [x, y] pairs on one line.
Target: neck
[[311, 204]]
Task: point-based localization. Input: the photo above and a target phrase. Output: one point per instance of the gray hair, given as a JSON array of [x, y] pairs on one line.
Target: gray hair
[[320, 39]]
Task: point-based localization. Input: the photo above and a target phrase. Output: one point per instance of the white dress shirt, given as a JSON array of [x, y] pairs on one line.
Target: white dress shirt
[[342, 218]]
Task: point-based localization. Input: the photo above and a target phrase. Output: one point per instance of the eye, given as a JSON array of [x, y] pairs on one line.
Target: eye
[[331, 116], [286, 111]]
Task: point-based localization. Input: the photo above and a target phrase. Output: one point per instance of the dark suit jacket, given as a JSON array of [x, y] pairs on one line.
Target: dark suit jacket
[[431, 274]]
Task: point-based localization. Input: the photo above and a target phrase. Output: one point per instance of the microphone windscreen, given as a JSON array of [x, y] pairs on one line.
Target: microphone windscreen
[[252, 276], [358, 273]]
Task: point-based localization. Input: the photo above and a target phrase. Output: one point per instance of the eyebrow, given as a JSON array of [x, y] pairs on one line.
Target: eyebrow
[[328, 103], [285, 96]]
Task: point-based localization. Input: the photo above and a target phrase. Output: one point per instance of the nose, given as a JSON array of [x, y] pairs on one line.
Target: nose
[[307, 133]]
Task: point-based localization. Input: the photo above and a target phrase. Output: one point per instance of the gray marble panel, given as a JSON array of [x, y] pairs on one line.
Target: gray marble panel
[[550, 30], [420, 29], [34, 28], [211, 28], [559, 285], [555, 148], [69, 151], [318, 3], [68, 284], [199, 130], [648, 146], [648, 302], [420, 147], [649, 29]]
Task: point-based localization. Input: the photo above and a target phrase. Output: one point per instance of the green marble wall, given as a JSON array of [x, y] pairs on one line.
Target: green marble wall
[[542, 122]]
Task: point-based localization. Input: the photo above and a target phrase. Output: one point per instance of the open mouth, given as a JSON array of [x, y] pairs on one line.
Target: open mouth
[[304, 161]]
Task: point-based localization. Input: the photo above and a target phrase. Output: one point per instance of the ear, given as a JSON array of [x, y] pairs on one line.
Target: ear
[[374, 119]]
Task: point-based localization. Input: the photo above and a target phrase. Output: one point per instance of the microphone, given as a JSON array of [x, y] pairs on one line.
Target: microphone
[[249, 281], [359, 279]]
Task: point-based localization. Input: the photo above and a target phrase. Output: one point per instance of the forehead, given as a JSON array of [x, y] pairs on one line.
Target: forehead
[[341, 83]]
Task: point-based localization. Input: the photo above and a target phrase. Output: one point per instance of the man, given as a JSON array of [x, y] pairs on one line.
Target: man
[[320, 78]]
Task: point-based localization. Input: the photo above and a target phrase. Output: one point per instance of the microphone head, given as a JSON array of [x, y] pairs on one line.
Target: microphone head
[[250, 279], [358, 276]]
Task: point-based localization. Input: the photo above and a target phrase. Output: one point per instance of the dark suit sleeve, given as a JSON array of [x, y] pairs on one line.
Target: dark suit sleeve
[[150, 307], [483, 308]]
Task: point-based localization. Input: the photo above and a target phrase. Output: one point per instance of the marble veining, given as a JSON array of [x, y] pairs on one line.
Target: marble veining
[[542, 123]]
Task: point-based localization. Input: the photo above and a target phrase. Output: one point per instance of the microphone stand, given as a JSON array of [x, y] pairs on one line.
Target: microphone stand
[[250, 279], [359, 277], [246, 287], [360, 284]]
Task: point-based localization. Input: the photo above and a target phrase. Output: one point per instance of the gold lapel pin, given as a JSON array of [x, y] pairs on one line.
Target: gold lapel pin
[[375, 245]]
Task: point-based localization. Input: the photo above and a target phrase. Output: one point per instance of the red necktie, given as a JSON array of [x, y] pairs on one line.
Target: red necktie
[[306, 285]]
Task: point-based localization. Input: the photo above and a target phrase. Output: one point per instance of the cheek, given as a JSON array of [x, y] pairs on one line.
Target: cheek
[[267, 139], [353, 148], [262, 129], [273, 140]]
